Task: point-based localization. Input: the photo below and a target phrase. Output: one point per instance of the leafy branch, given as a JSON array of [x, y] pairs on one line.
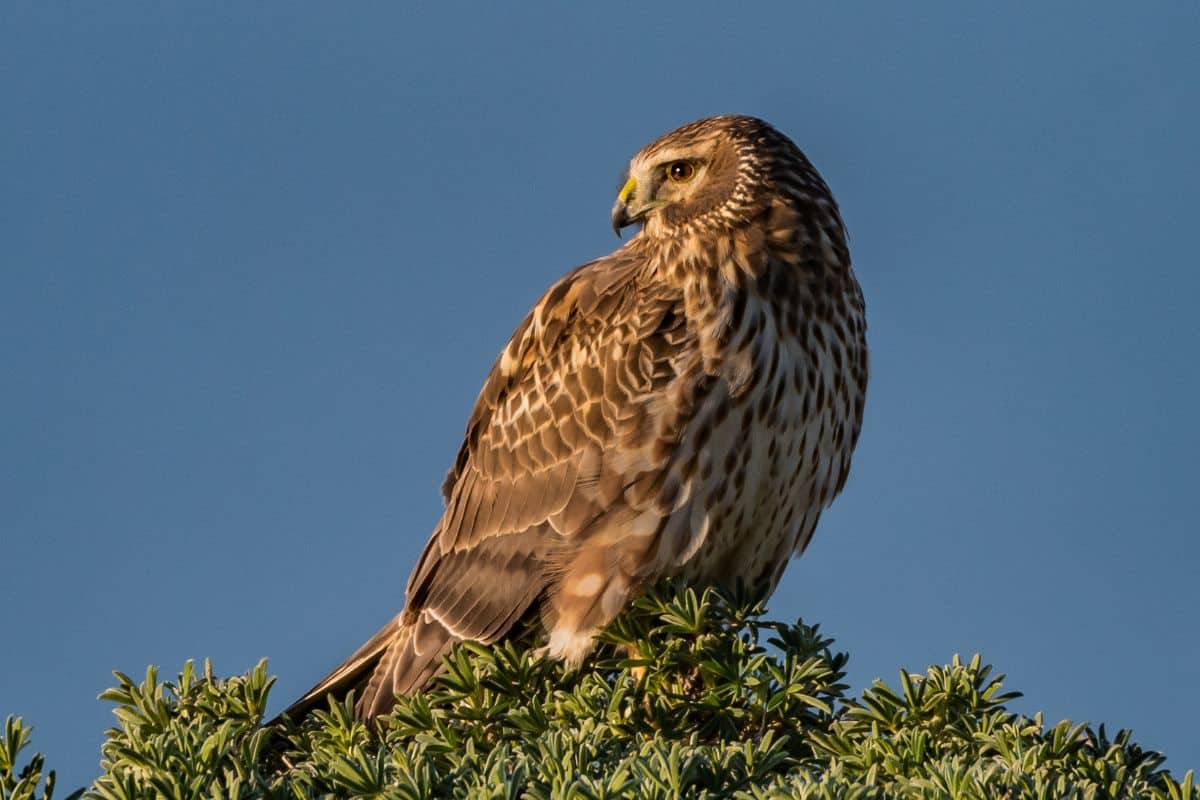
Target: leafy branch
[[689, 695]]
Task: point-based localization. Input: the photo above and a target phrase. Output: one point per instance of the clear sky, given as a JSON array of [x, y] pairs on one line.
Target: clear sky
[[256, 259]]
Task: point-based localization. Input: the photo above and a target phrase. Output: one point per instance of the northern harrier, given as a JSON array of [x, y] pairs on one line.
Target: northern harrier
[[685, 406]]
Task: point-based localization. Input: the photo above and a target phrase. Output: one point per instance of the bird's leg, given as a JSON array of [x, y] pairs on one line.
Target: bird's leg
[[588, 596]]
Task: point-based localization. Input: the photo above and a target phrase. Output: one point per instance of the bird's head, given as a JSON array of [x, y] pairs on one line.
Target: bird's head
[[713, 173]]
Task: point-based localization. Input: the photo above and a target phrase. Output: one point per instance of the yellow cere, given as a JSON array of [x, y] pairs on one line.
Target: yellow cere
[[627, 190]]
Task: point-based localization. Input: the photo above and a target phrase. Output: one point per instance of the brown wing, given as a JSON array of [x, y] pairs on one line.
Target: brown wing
[[576, 382], [568, 420]]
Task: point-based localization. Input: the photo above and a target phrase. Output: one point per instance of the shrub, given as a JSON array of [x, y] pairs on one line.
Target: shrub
[[691, 695]]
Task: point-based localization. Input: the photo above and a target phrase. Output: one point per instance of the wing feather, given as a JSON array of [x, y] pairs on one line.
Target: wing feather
[[572, 382], [560, 428]]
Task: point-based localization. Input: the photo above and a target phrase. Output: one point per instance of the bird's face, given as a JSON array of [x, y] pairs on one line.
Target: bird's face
[[684, 175]]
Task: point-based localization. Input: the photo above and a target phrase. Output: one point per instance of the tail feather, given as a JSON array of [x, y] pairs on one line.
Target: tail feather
[[480, 593], [407, 665], [401, 658]]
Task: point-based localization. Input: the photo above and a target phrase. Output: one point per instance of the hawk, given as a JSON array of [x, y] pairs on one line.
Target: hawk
[[685, 406]]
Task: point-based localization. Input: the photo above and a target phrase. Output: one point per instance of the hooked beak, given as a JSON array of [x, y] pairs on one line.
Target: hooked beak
[[621, 218], [625, 211]]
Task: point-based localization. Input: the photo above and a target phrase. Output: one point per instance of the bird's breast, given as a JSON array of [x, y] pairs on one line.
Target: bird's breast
[[773, 440]]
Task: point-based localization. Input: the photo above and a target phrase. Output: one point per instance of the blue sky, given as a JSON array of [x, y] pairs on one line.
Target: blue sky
[[255, 260]]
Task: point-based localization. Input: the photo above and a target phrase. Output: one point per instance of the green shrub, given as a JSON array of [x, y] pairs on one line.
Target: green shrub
[[691, 696]]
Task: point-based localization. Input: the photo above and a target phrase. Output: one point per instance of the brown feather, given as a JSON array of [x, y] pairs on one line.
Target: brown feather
[[684, 406]]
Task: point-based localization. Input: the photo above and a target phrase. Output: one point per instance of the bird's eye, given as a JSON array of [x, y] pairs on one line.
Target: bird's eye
[[680, 171]]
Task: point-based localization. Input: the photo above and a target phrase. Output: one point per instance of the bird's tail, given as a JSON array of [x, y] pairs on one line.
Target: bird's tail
[[401, 658]]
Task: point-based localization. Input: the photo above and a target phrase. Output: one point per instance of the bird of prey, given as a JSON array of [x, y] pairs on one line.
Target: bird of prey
[[683, 407]]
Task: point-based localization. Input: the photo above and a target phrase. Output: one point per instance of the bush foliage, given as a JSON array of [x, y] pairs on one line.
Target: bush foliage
[[691, 696]]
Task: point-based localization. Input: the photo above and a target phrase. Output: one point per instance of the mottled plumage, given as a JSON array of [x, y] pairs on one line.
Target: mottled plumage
[[686, 406]]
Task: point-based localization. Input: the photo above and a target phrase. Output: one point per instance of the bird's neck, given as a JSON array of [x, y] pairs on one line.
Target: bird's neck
[[772, 271]]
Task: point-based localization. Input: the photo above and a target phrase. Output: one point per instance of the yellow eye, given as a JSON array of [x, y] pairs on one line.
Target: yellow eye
[[680, 171]]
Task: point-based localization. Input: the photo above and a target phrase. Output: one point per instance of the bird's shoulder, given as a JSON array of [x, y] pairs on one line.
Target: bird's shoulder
[[564, 351]]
